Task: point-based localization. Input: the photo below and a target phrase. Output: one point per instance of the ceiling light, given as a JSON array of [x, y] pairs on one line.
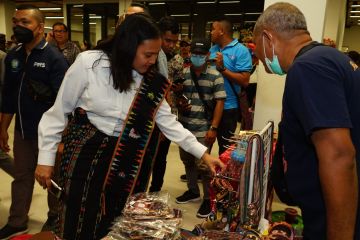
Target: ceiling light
[[78, 15], [355, 11], [159, 3], [253, 13], [95, 17], [50, 9], [230, 2], [78, 5], [250, 21], [355, 5], [54, 17], [355, 16], [204, 2], [182, 15], [92, 23], [233, 14]]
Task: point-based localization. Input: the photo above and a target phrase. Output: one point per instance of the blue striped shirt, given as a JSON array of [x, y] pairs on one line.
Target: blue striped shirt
[[211, 84]]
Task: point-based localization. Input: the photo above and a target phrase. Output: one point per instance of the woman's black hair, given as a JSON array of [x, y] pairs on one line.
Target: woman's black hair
[[121, 48]]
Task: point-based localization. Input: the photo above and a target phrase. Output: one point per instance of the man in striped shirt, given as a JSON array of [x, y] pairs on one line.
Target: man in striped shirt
[[204, 90]]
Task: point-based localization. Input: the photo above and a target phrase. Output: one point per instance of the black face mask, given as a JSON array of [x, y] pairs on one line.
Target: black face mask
[[23, 34]]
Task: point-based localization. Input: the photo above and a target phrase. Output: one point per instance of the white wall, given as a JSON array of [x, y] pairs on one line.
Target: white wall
[[7, 9], [352, 38], [270, 87], [335, 21]]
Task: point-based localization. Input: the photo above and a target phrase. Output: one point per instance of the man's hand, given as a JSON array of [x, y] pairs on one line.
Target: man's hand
[[177, 87], [4, 138], [212, 162], [43, 175], [219, 60], [210, 137], [50, 37]]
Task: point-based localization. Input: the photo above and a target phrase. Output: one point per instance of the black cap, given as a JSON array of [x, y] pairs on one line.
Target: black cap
[[184, 43], [200, 46]]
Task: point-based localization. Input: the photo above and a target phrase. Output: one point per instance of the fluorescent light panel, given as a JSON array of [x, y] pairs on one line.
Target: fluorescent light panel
[[353, 16], [230, 2], [54, 17], [183, 15], [233, 14], [357, 11], [204, 2], [50, 9], [355, 5], [159, 3]]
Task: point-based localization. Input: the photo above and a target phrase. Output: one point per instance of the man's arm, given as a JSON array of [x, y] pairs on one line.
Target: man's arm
[[4, 136], [338, 177], [217, 114], [240, 78]]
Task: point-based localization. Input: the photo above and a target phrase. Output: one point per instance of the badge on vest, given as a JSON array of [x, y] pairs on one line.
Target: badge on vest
[[15, 65]]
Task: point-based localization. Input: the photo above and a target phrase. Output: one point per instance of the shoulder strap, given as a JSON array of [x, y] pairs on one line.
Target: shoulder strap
[[201, 94], [307, 48]]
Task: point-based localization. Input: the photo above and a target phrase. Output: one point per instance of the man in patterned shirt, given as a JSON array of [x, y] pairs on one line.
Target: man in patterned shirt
[[60, 38], [204, 89]]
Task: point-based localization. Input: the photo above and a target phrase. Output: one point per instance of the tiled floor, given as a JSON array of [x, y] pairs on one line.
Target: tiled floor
[[172, 184]]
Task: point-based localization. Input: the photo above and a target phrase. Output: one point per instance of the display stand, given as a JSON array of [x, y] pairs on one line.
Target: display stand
[[246, 178]]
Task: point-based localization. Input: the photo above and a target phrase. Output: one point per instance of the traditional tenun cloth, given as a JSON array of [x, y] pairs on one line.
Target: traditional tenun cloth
[[99, 172]]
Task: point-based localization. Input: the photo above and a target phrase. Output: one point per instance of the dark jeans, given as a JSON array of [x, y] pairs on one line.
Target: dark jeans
[[159, 167], [227, 128], [194, 166]]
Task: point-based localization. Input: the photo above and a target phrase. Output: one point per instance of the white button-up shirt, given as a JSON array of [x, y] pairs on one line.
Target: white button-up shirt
[[88, 84]]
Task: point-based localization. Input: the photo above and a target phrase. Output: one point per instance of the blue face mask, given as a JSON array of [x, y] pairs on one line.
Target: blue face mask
[[198, 60], [274, 65]]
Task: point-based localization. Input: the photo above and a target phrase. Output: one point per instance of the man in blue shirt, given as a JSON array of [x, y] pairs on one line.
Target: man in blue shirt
[[233, 61], [33, 74], [320, 125]]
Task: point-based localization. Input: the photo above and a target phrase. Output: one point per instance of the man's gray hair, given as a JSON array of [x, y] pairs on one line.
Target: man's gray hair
[[281, 17]]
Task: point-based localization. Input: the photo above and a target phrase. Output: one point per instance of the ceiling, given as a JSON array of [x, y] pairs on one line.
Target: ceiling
[[244, 11], [353, 13]]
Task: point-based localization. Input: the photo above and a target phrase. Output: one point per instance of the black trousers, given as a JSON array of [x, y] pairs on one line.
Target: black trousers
[[159, 167], [227, 128]]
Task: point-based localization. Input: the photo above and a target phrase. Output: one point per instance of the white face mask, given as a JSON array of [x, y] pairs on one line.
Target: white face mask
[[274, 65]]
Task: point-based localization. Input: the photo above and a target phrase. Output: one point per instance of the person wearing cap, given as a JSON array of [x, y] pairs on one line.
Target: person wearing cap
[[233, 61], [185, 52], [204, 89]]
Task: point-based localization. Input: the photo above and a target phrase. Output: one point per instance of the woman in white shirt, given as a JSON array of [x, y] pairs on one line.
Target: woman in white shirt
[[116, 98]]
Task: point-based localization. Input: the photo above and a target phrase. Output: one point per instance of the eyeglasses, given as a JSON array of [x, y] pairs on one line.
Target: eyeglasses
[[59, 31]]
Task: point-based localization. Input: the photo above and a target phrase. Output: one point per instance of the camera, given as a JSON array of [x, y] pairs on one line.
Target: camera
[[183, 104], [57, 191], [179, 80]]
